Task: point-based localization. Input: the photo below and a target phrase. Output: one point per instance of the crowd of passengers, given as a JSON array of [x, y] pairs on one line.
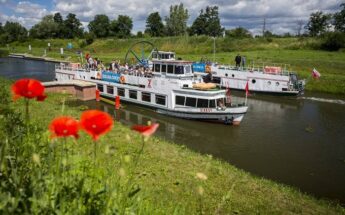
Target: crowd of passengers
[[116, 67]]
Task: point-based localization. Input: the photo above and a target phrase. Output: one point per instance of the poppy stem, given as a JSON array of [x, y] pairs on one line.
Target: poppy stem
[[27, 116], [94, 151]]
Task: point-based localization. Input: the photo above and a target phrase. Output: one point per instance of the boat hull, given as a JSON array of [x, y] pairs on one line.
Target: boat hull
[[234, 117]]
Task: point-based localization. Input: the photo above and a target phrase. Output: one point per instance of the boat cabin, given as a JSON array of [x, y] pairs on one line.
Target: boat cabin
[[175, 68], [161, 55]]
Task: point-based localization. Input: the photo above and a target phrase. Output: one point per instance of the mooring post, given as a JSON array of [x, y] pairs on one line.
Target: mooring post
[[117, 102], [97, 95]]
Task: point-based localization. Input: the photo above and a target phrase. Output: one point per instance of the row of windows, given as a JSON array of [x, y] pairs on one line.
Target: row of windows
[[194, 102], [133, 94], [170, 69]]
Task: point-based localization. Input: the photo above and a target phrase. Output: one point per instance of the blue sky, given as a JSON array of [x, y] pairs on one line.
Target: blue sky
[[281, 16]]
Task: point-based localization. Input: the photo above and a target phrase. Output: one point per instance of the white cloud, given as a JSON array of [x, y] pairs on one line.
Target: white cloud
[[281, 15]]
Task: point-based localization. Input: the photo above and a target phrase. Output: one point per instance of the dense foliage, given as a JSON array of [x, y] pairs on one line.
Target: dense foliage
[[207, 23], [176, 22], [238, 33], [154, 25]]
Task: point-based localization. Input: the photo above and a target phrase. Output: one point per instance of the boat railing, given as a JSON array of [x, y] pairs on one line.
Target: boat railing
[[272, 69]]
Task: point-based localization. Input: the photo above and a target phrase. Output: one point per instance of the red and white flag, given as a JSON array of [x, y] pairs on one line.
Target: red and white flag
[[315, 74], [247, 89]]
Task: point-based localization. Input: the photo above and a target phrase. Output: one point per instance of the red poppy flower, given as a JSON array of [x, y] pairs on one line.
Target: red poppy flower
[[146, 130], [28, 88], [96, 123], [64, 126]]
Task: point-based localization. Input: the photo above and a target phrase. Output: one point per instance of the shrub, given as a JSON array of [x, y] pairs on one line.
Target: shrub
[[333, 41]]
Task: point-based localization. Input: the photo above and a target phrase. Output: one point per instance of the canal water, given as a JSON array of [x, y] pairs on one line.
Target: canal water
[[296, 141]]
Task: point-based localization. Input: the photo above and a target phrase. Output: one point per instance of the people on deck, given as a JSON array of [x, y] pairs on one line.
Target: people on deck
[[243, 61], [238, 60]]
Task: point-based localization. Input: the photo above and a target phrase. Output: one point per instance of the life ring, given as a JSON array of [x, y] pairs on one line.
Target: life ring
[[122, 79]]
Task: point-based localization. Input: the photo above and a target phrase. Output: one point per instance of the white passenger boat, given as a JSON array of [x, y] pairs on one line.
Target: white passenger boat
[[169, 88], [266, 79]]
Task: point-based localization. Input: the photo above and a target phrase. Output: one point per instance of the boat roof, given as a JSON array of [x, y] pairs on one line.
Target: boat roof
[[172, 61]]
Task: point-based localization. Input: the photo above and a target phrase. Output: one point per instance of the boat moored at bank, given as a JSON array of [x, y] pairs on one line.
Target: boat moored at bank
[[276, 80], [169, 88]]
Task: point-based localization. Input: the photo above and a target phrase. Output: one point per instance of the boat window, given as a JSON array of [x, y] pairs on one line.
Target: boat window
[[121, 92], [269, 82], [202, 103], [180, 100], [277, 83], [187, 69], [110, 90], [221, 102], [190, 102], [133, 94], [253, 81], [157, 67], [160, 99], [154, 55], [178, 69], [146, 97], [100, 87], [164, 68], [212, 104], [170, 69]]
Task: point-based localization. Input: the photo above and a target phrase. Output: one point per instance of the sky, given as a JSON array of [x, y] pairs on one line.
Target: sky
[[282, 16]]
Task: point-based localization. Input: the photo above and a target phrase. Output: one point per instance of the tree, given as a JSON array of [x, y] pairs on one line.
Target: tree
[[1, 29], [213, 27], [207, 23], [46, 28], [13, 31], [238, 32], [58, 18], [140, 34], [72, 26], [299, 27], [176, 23], [100, 26], [199, 25], [61, 28], [154, 25], [339, 19], [318, 23], [121, 27]]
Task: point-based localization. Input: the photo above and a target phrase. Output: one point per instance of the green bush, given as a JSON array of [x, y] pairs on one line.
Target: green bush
[[333, 41]]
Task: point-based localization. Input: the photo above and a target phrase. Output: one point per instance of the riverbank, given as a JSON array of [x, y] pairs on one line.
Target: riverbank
[[3, 53], [171, 179]]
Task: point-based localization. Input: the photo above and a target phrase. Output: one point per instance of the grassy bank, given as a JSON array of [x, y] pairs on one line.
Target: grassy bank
[[3, 53], [168, 179], [299, 53]]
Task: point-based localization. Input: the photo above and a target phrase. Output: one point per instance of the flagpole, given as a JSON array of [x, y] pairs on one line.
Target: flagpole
[[245, 103]]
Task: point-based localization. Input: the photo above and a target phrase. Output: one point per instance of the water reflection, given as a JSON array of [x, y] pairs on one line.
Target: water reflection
[[16, 68], [294, 141]]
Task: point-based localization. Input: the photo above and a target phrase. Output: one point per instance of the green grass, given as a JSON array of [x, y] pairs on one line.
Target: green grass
[[166, 174], [300, 53]]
